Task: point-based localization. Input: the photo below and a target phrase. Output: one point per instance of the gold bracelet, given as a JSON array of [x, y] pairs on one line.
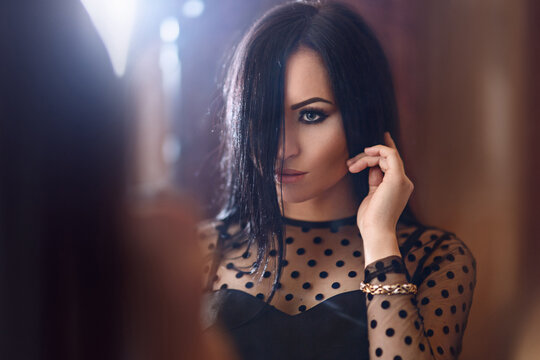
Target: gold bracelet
[[388, 289]]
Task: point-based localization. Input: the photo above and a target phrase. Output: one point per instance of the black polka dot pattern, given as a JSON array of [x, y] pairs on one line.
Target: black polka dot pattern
[[325, 264], [438, 310]]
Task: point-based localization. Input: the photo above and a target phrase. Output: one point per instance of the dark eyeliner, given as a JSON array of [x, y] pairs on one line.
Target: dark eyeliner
[[322, 115]]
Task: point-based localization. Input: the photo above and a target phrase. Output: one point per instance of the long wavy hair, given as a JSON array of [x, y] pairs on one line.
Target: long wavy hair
[[252, 116]]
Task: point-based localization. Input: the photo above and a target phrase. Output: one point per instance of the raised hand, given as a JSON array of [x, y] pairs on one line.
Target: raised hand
[[389, 189]]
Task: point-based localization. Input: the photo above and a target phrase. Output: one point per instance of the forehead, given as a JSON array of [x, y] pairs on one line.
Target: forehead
[[306, 77]]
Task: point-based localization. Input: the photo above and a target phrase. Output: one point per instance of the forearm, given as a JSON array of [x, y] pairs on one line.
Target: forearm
[[396, 330]]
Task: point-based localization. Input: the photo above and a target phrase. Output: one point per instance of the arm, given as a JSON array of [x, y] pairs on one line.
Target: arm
[[430, 324]]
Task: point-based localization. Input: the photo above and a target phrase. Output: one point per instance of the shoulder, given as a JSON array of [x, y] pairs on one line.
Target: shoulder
[[217, 238], [223, 247], [426, 249], [209, 231], [423, 240], [209, 227]]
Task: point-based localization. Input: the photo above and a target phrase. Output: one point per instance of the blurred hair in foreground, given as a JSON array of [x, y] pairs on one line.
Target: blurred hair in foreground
[[85, 271]]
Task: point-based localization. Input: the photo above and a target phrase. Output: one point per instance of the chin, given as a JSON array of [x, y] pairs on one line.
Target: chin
[[301, 192], [296, 196]]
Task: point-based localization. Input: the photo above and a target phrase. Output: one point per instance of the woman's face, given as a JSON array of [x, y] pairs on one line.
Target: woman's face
[[315, 143]]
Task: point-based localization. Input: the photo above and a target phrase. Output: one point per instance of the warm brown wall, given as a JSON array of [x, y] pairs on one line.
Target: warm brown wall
[[464, 80]]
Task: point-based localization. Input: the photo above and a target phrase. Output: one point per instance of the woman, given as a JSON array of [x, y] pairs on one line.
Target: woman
[[306, 238]]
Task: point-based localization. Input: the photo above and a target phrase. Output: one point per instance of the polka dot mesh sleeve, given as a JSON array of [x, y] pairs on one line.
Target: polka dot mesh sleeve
[[430, 324]]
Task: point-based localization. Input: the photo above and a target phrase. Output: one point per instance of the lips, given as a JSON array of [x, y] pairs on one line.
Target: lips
[[289, 176], [290, 172]]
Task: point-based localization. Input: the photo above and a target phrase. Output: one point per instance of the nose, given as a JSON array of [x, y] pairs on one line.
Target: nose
[[289, 148]]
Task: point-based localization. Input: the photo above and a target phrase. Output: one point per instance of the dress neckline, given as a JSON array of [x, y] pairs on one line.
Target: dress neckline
[[332, 224]]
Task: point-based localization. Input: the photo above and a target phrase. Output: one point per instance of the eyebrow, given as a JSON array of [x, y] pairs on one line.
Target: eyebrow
[[309, 101]]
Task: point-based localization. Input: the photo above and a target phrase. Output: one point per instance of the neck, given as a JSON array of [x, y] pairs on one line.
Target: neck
[[334, 203]]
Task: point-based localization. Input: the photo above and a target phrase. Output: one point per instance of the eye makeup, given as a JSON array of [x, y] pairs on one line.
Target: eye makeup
[[312, 115]]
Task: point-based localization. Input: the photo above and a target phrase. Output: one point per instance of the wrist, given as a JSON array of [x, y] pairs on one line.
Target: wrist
[[373, 233], [381, 246]]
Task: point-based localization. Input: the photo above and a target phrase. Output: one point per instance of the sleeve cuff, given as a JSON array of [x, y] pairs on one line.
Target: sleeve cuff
[[392, 264]]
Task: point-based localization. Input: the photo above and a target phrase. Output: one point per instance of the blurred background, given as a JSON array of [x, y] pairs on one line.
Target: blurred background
[[468, 90]]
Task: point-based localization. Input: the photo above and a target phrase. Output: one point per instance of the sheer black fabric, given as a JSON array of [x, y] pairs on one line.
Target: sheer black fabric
[[318, 311]]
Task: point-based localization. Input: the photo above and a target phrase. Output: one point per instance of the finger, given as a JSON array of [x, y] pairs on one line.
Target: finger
[[391, 154], [388, 140], [375, 178], [381, 150], [356, 158], [363, 162], [369, 161]]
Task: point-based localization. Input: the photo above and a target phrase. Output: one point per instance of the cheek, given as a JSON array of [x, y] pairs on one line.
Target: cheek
[[323, 154], [327, 151]]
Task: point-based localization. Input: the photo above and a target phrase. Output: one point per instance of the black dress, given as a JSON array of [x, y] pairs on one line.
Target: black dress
[[318, 311]]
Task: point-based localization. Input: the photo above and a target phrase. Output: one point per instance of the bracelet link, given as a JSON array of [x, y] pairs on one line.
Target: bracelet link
[[387, 289]]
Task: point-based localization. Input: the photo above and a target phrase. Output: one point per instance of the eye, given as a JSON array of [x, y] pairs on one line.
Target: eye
[[312, 115]]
